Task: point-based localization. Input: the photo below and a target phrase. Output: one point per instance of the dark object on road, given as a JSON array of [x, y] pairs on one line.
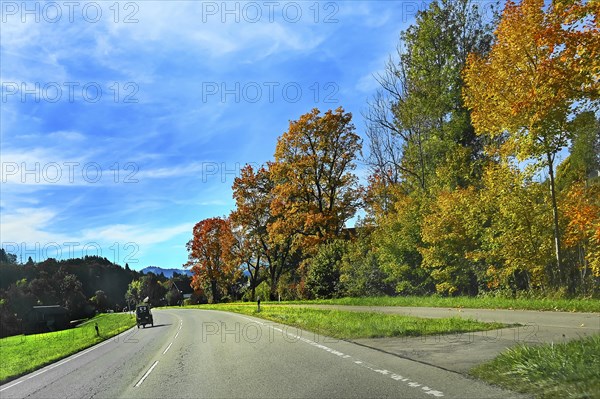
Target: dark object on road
[[143, 316], [97, 330]]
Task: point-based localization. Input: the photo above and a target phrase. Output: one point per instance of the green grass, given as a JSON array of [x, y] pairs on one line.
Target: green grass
[[566, 305], [22, 354], [567, 370], [348, 325]]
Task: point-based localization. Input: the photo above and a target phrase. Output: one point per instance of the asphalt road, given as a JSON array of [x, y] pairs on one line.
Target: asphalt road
[[197, 354], [461, 352]]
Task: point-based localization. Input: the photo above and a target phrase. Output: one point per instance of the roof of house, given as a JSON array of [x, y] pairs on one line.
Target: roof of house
[[49, 309]]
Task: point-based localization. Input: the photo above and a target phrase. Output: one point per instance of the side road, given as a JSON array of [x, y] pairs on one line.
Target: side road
[[460, 352]]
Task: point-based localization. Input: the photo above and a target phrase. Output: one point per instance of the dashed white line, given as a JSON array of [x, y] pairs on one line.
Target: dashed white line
[[394, 376], [146, 375], [168, 347], [180, 326]]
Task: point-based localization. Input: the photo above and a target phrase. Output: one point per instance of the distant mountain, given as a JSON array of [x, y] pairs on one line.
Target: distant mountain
[[167, 272]]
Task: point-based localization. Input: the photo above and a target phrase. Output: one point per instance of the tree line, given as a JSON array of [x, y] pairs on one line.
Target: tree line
[[82, 286], [466, 193]]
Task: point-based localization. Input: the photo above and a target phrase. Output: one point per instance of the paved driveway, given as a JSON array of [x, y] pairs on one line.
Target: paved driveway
[[460, 352]]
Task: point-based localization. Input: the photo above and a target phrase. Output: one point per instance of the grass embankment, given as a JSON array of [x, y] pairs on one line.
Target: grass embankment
[[565, 305], [566, 370], [22, 354], [348, 325]]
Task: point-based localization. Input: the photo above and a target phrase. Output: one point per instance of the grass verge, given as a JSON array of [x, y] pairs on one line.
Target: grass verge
[[22, 354], [566, 370], [348, 325], [565, 305]]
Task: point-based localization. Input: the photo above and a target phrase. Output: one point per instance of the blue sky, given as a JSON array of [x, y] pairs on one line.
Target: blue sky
[[123, 124]]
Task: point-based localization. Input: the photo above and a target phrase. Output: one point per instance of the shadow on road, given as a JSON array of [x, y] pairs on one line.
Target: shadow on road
[[159, 325]]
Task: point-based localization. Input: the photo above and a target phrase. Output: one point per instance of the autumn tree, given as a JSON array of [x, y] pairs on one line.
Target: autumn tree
[[316, 191], [517, 241], [211, 259], [247, 251], [542, 66], [254, 193], [582, 209]]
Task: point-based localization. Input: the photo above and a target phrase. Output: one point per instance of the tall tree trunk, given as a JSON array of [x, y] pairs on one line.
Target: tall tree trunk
[[216, 298], [557, 251]]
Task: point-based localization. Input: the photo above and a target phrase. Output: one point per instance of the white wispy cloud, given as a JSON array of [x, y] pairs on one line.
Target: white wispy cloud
[[139, 234], [182, 146]]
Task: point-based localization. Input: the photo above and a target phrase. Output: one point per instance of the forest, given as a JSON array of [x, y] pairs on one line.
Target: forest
[[482, 156]]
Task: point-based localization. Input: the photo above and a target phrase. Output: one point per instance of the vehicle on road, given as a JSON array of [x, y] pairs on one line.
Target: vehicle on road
[[143, 316]]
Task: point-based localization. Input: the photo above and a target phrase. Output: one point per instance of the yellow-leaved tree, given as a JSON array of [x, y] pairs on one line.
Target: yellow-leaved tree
[[543, 67], [582, 209]]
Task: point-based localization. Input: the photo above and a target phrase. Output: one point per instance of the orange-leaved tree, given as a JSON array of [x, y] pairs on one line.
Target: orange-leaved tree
[[211, 258], [315, 189], [253, 192], [543, 66]]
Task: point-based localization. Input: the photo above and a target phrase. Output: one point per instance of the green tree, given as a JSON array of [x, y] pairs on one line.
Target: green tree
[[450, 234], [583, 161], [417, 122], [44, 289], [71, 294], [133, 296], [397, 240], [100, 301], [323, 278], [6, 257], [360, 270]]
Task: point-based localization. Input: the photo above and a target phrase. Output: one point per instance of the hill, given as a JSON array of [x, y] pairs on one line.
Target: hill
[[167, 272]]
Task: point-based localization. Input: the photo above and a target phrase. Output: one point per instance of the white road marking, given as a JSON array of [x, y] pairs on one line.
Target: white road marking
[[252, 320], [180, 326], [66, 360], [146, 375], [168, 347], [10, 386], [394, 376]]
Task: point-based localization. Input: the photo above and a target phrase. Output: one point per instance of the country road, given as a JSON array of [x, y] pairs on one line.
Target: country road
[[211, 354]]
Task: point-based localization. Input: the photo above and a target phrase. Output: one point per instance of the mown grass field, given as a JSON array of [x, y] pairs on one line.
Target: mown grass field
[[564, 305], [348, 325], [25, 353], [566, 370]]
